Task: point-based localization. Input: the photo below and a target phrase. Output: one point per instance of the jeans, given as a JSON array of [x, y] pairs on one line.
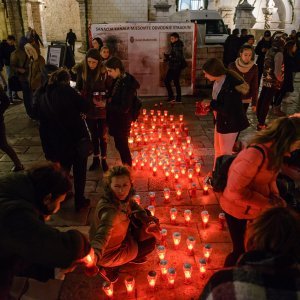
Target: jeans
[[121, 143], [27, 98], [237, 229], [265, 99], [5, 147], [98, 131], [173, 75]]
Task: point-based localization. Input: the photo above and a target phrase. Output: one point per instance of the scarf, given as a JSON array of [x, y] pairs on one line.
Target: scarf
[[242, 67]]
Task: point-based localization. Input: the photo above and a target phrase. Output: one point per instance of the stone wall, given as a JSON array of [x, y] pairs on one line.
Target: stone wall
[[59, 17], [116, 11]]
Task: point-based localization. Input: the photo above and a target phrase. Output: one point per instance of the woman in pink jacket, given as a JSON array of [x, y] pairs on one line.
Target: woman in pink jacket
[[251, 186]]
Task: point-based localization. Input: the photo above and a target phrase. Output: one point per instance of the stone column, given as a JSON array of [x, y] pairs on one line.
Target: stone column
[[162, 10], [227, 14], [3, 25], [244, 17]]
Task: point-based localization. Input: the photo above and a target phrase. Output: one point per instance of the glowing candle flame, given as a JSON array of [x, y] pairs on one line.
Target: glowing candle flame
[[108, 288], [164, 267], [187, 215], [151, 209], [152, 276], [176, 239], [207, 249], [129, 283], [173, 214], [161, 252]]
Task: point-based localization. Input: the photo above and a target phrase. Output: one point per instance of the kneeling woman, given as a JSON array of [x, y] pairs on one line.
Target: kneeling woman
[[114, 233]]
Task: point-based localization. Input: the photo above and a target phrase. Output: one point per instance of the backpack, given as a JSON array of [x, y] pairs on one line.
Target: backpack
[[136, 107], [223, 163]]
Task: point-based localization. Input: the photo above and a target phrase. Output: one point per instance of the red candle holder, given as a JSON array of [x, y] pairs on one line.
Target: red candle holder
[[205, 189], [163, 267], [161, 252], [151, 208], [187, 270], [193, 189], [176, 239], [205, 218], [190, 242], [129, 283], [187, 216], [173, 215], [152, 198], [137, 199], [108, 289], [178, 191], [207, 250], [171, 275], [152, 276], [202, 267], [167, 193], [222, 220]]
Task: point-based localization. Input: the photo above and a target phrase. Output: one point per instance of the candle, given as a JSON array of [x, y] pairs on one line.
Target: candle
[[188, 139], [173, 214], [108, 288], [190, 242], [129, 283], [137, 199], [161, 252], [167, 194], [193, 189], [130, 141], [180, 118], [178, 191], [176, 239], [165, 113], [163, 267], [198, 168], [190, 174], [183, 169], [171, 275], [202, 266], [151, 208], [152, 198], [205, 189], [187, 270], [144, 111], [187, 216], [164, 233], [204, 217], [154, 170], [159, 113], [152, 276], [171, 118], [222, 220], [207, 249], [167, 173], [152, 112], [176, 175]]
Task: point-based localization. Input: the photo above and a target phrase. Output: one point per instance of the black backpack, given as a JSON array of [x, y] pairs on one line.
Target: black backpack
[[136, 108], [223, 163]]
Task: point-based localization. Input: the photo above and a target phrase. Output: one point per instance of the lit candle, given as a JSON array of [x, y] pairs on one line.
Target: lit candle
[[190, 242], [144, 111], [178, 191], [108, 289], [167, 173], [205, 189], [190, 174], [152, 198], [207, 249], [154, 170], [152, 276], [165, 113], [163, 267], [202, 266], [187, 216], [176, 239], [164, 233], [130, 141], [193, 189], [129, 283], [137, 199], [152, 112], [171, 118], [167, 194], [159, 113], [176, 175], [171, 275], [161, 252], [154, 119], [173, 214], [204, 217], [183, 169], [187, 270], [198, 168], [151, 208], [188, 139], [222, 220], [186, 130]]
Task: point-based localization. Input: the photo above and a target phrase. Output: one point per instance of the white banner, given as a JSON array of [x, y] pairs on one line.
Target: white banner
[[141, 46]]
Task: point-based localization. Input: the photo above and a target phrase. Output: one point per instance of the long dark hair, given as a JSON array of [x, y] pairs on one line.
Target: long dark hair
[[282, 133]]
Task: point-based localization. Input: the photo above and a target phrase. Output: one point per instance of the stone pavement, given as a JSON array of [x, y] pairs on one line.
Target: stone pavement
[[23, 135]]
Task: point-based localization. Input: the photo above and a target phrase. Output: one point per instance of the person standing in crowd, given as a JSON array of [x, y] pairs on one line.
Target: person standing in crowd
[[92, 82], [105, 54], [176, 63], [36, 65], [251, 186], [63, 131], [272, 79], [293, 35], [229, 114], [97, 43], [71, 39], [36, 39], [121, 230], [290, 66], [4, 146], [19, 64], [244, 36], [261, 49], [270, 268], [250, 40], [245, 66], [30, 247], [231, 47], [28, 33], [7, 48], [119, 106]]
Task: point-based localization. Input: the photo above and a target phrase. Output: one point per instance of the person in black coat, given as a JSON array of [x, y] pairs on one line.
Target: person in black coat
[[119, 106], [232, 47], [30, 247], [63, 130], [261, 49], [229, 114], [71, 39]]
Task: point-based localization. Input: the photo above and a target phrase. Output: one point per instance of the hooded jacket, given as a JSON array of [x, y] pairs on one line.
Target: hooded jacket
[[230, 115], [176, 57], [119, 106]]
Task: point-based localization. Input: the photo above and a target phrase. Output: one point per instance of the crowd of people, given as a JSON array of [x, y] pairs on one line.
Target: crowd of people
[[74, 122]]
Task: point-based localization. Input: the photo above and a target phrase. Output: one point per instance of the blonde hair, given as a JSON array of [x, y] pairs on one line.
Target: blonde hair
[[31, 51], [115, 172]]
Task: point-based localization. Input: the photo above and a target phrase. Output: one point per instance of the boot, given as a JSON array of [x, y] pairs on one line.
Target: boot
[[96, 164], [278, 112], [104, 164]]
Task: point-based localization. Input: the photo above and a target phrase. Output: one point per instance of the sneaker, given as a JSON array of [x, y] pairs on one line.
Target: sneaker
[[95, 165], [139, 261], [104, 165], [171, 100], [80, 205], [178, 101]]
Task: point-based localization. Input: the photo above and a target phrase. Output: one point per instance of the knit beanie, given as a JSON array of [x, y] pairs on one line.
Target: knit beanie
[[214, 67], [93, 53]]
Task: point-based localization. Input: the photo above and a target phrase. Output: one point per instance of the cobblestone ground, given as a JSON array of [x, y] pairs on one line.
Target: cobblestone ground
[[23, 135]]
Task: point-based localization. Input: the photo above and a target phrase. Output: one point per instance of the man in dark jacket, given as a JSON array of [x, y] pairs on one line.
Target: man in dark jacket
[[176, 63], [71, 39], [232, 47], [28, 246], [261, 49]]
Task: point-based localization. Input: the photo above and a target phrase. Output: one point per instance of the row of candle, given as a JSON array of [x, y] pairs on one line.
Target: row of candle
[[167, 273]]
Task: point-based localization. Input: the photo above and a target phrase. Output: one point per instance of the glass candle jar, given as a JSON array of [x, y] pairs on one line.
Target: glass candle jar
[[176, 239], [108, 289], [190, 242], [152, 276], [187, 270], [129, 283]]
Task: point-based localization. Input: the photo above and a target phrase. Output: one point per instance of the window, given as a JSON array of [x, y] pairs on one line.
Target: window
[[190, 4], [213, 26]]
